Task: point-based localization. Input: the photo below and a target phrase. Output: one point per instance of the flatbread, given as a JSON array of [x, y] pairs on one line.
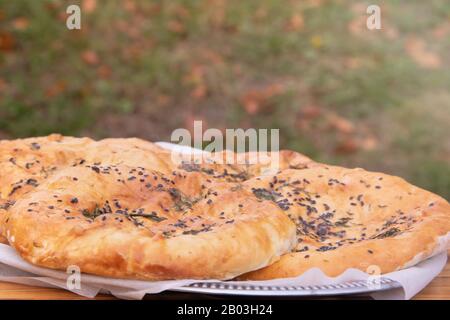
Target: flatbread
[[26, 163], [129, 222], [352, 218]]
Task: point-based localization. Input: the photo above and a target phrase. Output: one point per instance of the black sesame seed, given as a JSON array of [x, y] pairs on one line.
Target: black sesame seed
[[96, 169]]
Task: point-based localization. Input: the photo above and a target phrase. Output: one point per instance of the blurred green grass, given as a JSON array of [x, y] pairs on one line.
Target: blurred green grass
[[338, 92]]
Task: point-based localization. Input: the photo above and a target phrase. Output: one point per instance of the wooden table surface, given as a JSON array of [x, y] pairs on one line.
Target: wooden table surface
[[439, 288]]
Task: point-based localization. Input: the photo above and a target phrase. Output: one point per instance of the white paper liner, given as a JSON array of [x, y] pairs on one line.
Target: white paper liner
[[14, 269], [412, 280]]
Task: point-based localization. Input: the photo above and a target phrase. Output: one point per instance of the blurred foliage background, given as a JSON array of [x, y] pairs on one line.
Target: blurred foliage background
[[338, 92]]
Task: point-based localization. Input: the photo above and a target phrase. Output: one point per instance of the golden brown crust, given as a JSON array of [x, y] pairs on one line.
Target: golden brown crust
[[26, 163], [351, 218], [133, 223], [238, 167]]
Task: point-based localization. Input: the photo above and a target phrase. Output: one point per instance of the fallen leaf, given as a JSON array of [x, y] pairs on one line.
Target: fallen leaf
[[7, 42], [296, 22], [316, 41], [251, 105], [358, 25], [129, 5], [62, 16], [90, 57], [53, 6], [341, 124], [311, 112], [349, 145], [20, 23], [89, 6], [441, 30], [255, 99], [369, 143], [199, 92], [417, 50]]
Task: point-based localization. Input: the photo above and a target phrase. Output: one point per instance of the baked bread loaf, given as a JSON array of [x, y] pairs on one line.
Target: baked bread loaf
[[129, 222], [25, 163], [352, 218], [125, 208]]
